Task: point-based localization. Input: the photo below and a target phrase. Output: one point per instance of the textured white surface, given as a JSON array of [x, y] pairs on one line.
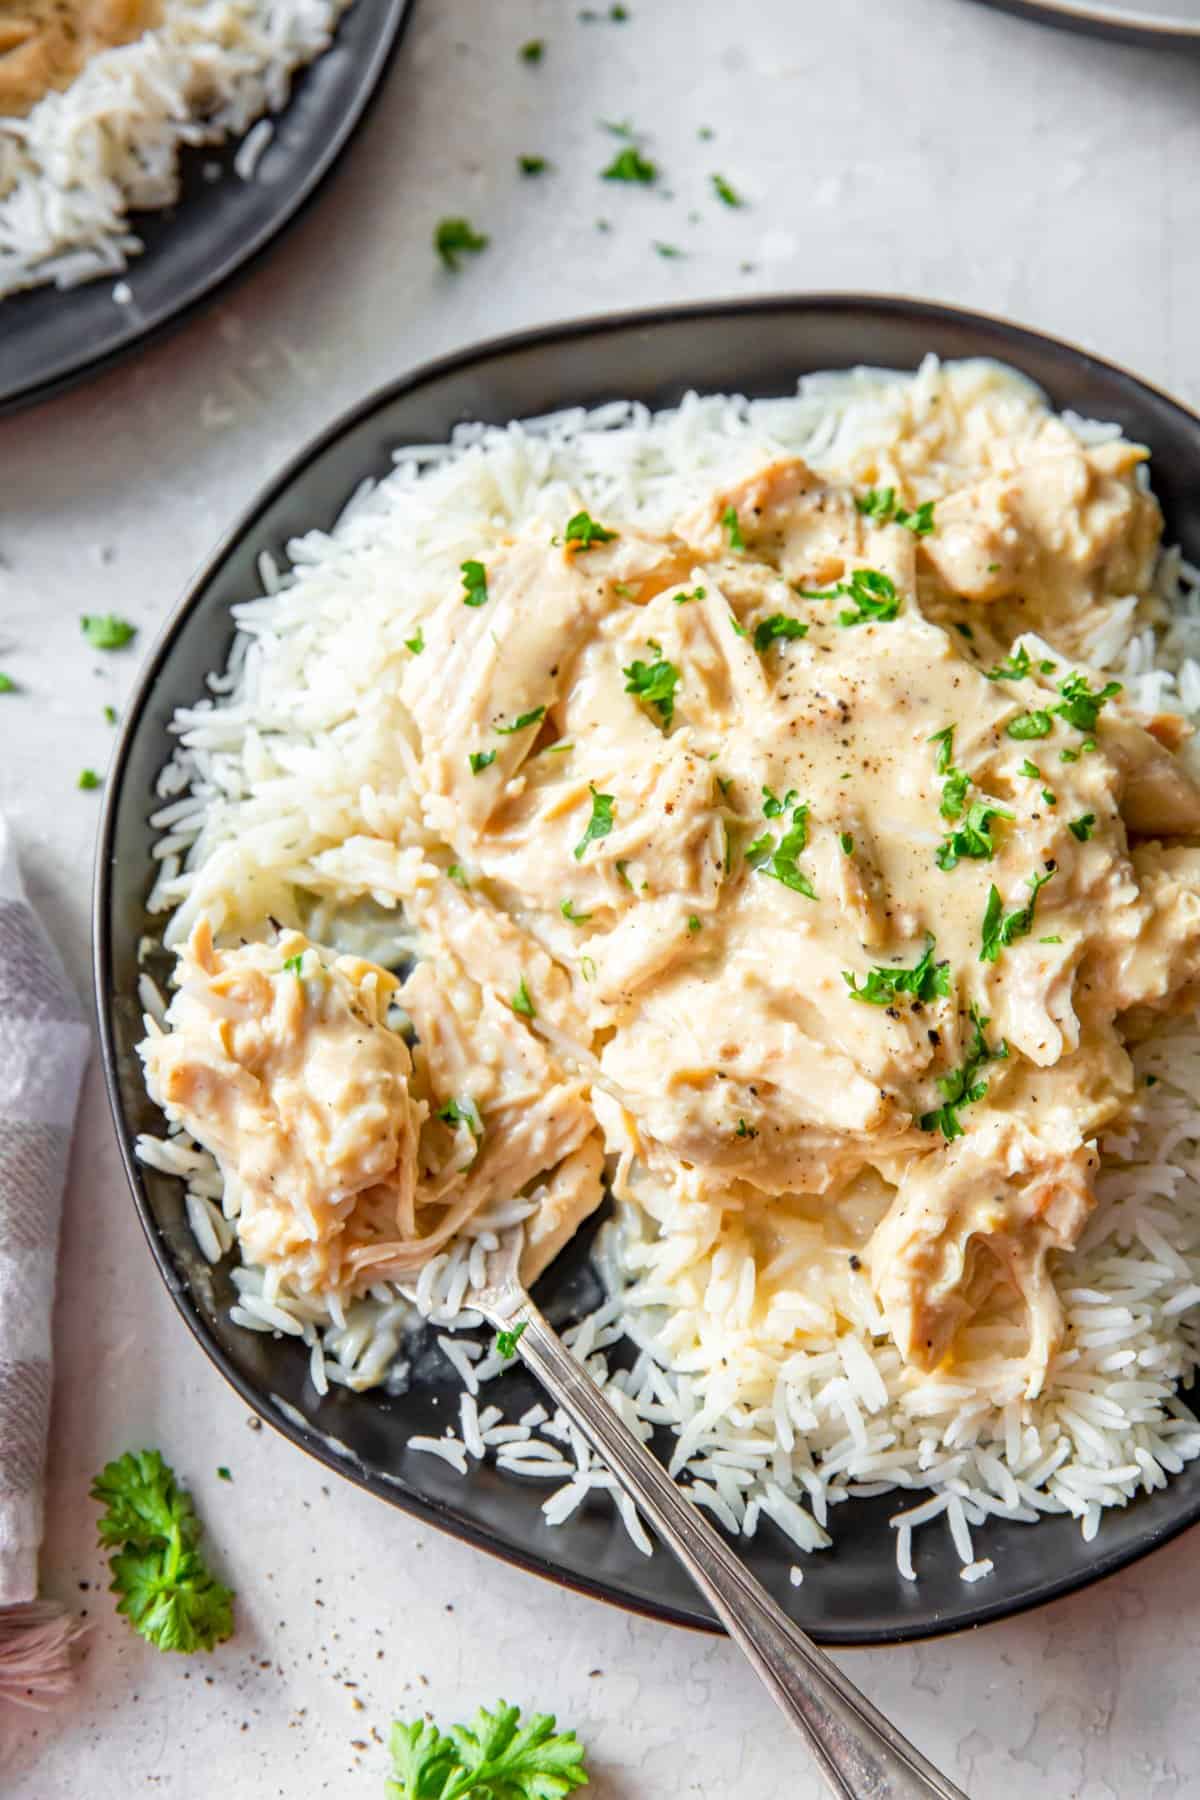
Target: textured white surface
[[934, 148]]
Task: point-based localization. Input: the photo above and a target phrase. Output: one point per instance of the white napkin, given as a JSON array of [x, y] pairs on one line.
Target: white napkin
[[44, 1046]]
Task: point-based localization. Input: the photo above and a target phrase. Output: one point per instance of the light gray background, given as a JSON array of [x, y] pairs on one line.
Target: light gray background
[[933, 148]]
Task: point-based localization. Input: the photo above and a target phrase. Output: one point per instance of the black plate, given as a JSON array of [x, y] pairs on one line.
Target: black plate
[[852, 1593], [49, 339], [1173, 24]]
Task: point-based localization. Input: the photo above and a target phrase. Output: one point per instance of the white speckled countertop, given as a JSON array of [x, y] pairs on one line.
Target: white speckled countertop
[[933, 148]]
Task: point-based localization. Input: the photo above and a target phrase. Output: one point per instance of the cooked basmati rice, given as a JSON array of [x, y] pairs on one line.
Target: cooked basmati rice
[[290, 753]]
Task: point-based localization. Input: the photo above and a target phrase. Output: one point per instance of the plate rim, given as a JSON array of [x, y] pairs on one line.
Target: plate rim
[[424, 1507], [1116, 25], [82, 366]]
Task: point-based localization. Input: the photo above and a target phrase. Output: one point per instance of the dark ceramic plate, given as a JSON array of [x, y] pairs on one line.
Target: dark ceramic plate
[[852, 1593], [49, 339], [1173, 24]]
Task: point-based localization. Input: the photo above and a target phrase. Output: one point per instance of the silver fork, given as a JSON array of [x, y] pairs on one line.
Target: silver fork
[[860, 1754]]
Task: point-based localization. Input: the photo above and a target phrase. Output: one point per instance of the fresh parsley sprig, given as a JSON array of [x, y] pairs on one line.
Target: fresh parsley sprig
[[493, 1758], [167, 1591], [880, 505], [1000, 929], [962, 1087], [779, 860], [927, 980], [600, 823], [872, 592], [973, 837], [779, 625], [655, 684], [582, 532]]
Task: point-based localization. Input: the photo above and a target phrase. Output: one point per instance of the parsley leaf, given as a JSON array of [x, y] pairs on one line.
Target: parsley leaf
[[779, 625], [493, 1758], [1079, 706], [963, 1086], [1031, 769], [725, 193], [944, 739], [630, 165], [779, 860], [9, 686], [600, 823], [1000, 929], [925, 981], [481, 760], [532, 165], [462, 1112], [521, 1003], [1081, 828], [567, 909], [105, 631], [1030, 725], [696, 594], [533, 51], [88, 779], [773, 806], [693, 923], [873, 593], [973, 838], [506, 1342], [582, 532], [520, 723], [847, 843], [880, 504], [110, 712], [475, 587], [733, 528], [453, 238], [670, 251], [167, 1592], [293, 964], [416, 644], [1015, 667], [655, 683], [957, 781]]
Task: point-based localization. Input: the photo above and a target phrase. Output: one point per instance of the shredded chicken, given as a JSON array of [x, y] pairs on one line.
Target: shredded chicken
[[45, 43], [794, 856]]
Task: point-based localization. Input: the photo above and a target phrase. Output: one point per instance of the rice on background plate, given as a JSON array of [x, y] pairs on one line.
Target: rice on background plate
[[83, 158], [290, 752]]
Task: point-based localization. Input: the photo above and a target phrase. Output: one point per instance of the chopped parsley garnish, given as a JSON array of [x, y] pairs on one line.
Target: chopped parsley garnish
[[506, 1342], [847, 843], [1000, 929], [525, 719], [1068, 756], [88, 778], [481, 760], [880, 505], [1030, 725], [925, 981], [567, 909], [105, 631], [223, 1473], [457, 873], [600, 823], [521, 1003], [779, 625], [654, 683], [670, 251], [725, 193], [630, 165], [1081, 828], [622, 128], [1049, 798], [696, 594], [110, 712], [773, 806], [582, 532], [416, 644], [737, 625], [475, 587], [873, 593], [944, 739], [961, 1087], [462, 1112], [1152, 1081], [693, 923], [778, 860], [1079, 706], [1050, 940], [150, 1526], [733, 528], [534, 50], [746, 1131], [587, 968], [973, 838], [496, 1757], [292, 965], [957, 781], [532, 165], [1031, 769], [1015, 667], [453, 238], [622, 873], [9, 686]]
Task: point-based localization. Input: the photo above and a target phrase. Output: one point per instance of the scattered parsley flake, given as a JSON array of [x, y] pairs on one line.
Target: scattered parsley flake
[[737, 625], [693, 923], [475, 587], [9, 686], [1079, 706], [944, 739], [149, 1524], [962, 1086], [532, 165], [292, 965], [1015, 667], [880, 505], [416, 644], [453, 238], [1031, 769], [1152, 1081], [696, 594], [778, 860], [533, 51], [706, 134], [726, 194], [506, 1342], [1030, 725], [779, 625], [105, 631], [457, 873], [847, 843], [525, 719], [671, 252], [654, 683], [1081, 828], [873, 593], [587, 968], [582, 532], [630, 165], [567, 909], [88, 779], [746, 1131], [1050, 799], [1050, 940], [521, 1003], [223, 1473], [925, 981], [1000, 929], [973, 838], [481, 760], [1068, 756], [600, 823], [733, 529], [622, 873], [110, 712], [462, 1111]]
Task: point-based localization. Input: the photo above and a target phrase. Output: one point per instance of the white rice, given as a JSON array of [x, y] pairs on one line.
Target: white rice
[[82, 160], [292, 752]]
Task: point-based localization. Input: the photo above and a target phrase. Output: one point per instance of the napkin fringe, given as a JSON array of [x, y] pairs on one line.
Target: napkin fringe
[[35, 1653]]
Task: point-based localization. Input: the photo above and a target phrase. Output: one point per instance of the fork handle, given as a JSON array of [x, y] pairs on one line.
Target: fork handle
[[861, 1755]]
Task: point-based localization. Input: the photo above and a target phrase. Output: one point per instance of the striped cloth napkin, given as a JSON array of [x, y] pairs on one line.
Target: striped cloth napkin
[[43, 1052]]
